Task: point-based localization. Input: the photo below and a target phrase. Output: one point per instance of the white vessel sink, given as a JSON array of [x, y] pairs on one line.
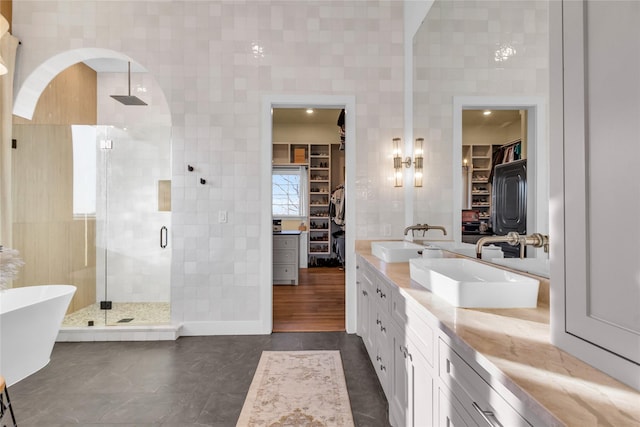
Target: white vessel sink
[[395, 251], [537, 266], [466, 283]]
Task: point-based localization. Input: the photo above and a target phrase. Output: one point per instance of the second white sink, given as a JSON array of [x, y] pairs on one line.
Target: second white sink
[[395, 250], [466, 283]]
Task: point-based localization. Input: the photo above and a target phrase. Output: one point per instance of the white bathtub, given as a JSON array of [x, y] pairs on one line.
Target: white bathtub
[[30, 319]]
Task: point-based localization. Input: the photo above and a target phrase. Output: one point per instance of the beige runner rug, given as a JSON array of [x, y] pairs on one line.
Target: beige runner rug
[[297, 388]]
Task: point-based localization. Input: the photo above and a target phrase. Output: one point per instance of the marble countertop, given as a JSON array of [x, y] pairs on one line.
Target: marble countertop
[[514, 346]]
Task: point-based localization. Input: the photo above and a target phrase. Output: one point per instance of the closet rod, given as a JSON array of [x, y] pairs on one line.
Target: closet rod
[[517, 141]]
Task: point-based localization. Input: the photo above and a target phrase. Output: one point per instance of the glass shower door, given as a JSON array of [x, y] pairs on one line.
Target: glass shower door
[[134, 216]]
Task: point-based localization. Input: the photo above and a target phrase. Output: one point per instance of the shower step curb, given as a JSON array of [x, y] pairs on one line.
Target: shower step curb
[[119, 333]]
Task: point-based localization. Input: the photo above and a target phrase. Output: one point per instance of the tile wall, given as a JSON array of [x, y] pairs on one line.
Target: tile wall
[[214, 61]]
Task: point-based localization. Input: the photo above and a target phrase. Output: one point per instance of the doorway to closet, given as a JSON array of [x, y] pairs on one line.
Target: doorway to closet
[[308, 177]]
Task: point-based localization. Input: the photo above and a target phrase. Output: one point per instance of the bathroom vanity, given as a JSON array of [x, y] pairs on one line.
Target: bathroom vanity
[[441, 365]]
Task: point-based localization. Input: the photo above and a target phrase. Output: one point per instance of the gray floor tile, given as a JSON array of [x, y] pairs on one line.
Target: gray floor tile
[[193, 381]]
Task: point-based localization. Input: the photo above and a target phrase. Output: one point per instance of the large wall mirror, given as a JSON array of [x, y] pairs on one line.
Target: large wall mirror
[[507, 76]]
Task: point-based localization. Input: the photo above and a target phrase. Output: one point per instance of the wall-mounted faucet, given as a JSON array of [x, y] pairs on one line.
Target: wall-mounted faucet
[[536, 240], [424, 228]]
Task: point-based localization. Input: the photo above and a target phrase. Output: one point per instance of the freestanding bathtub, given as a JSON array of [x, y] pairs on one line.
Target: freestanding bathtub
[[30, 318]]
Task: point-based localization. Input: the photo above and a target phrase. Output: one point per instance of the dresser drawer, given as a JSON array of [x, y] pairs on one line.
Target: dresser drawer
[[285, 272], [285, 256], [285, 242]]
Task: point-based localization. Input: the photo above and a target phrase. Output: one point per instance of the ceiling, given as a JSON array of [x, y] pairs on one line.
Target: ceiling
[[320, 116], [497, 118], [110, 65]]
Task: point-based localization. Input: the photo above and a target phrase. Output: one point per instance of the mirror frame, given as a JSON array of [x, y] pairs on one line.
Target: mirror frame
[[537, 158]]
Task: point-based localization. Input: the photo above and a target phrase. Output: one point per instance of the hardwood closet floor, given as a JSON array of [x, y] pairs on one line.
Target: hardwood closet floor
[[315, 305]]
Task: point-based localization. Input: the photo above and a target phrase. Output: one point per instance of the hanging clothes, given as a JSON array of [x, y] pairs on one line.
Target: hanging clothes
[[505, 154], [340, 124], [336, 206]]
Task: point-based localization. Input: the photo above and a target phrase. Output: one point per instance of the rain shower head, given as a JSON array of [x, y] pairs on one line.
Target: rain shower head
[[129, 99]]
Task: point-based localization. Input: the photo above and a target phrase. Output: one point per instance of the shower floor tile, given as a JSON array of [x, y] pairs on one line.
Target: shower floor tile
[[145, 313]]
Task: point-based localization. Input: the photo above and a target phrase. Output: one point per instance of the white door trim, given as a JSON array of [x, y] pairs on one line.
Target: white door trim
[[537, 155]]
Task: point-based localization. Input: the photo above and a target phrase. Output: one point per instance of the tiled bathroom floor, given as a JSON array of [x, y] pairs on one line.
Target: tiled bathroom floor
[[193, 381], [147, 313]]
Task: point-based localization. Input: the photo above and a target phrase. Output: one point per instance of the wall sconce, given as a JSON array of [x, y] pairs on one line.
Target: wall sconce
[[465, 164], [398, 162], [418, 158], [417, 162]]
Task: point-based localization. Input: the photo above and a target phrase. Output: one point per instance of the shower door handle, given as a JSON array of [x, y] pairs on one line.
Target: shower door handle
[[164, 237]]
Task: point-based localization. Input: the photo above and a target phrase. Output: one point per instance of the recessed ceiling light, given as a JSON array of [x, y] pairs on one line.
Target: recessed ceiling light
[[486, 112], [309, 110]]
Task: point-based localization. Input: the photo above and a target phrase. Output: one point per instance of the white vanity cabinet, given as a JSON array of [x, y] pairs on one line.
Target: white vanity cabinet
[[374, 324], [595, 105], [400, 345], [365, 290], [381, 331], [428, 379], [411, 403]]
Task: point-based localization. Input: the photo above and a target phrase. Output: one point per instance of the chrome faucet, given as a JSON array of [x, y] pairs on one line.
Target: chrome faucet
[[423, 228], [536, 240]]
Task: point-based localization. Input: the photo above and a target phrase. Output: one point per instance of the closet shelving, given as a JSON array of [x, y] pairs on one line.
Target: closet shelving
[[319, 193], [318, 159], [480, 185]]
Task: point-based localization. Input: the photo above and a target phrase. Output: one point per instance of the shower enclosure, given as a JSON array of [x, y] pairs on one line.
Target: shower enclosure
[[92, 208]]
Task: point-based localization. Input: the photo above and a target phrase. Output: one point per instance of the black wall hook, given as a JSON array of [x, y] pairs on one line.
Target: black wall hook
[[203, 181]]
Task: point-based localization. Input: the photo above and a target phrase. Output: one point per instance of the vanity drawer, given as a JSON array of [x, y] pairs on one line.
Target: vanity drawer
[[483, 403]]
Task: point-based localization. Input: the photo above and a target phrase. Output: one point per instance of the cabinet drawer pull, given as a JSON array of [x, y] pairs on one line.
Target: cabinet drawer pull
[[382, 328], [382, 295], [364, 293], [488, 416], [383, 368]]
